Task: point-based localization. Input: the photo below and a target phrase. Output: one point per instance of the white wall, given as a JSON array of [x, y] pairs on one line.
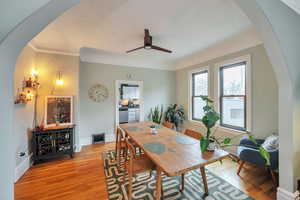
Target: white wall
[[48, 66], [264, 111], [23, 113], [279, 27], [21, 31], [159, 88], [11, 45]]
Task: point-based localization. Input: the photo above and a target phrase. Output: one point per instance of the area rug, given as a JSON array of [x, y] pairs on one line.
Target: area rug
[[144, 185]]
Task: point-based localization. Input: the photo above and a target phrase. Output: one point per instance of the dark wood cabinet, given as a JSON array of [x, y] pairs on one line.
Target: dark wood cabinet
[[53, 142]]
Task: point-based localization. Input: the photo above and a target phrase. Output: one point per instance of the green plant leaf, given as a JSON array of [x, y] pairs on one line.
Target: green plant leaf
[[265, 154], [204, 142], [227, 141], [206, 108]]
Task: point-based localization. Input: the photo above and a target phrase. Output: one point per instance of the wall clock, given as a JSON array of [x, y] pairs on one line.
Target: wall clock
[[98, 93]]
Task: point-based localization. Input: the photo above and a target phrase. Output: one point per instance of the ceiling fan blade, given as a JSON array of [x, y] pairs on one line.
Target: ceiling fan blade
[[135, 49], [160, 49]]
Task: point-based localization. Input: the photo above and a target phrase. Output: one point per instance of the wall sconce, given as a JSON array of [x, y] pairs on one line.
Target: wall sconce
[[59, 81], [34, 72]]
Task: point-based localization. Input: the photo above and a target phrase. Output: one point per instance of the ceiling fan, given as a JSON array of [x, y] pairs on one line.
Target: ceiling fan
[[148, 44]]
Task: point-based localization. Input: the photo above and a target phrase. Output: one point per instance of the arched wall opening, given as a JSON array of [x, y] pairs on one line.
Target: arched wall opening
[[14, 42]]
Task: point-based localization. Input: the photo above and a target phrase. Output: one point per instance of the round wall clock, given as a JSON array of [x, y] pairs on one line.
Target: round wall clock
[[98, 93]]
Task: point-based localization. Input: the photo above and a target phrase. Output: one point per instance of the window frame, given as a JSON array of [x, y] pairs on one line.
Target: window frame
[[248, 104], [222, 96], [192, 74]]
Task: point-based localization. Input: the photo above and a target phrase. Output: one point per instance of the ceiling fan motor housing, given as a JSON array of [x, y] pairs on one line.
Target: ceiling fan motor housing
[[148, 41]]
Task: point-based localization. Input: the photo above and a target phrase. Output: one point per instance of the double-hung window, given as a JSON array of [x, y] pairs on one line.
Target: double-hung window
[[199, 89], [233, 96]]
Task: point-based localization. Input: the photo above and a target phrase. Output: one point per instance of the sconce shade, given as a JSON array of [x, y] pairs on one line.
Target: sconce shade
[[59, 82]]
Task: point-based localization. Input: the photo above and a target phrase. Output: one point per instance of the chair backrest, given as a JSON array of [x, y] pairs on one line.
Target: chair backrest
[[121, 132], [167, 124], [130, 147], [193, 134]]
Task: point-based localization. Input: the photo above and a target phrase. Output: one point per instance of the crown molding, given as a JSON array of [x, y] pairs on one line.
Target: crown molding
[[39, 50]]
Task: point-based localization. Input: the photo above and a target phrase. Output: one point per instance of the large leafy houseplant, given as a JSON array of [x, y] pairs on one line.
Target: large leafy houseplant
[[210, 118], [156, 114], [175, 115]]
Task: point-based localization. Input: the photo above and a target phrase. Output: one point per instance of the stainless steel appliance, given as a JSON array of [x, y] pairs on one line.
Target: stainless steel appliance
[[123, 115]]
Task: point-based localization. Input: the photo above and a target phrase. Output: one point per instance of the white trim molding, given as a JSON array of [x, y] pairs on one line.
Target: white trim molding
[[22, 168], [83, 141], [48, 51], [283, 194], [246, 58]]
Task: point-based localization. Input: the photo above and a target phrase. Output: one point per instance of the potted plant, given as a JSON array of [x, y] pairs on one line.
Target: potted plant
[[153, 129], [175, 114], [210, 118], [156, 114], [209, 142]]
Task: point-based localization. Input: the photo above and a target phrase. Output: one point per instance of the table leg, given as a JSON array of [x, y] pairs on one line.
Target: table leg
[[203, 174], [182, 183], [158, 183]]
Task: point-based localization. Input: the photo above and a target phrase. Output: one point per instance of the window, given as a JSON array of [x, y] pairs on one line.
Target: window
[[233, 97], [199, 88]]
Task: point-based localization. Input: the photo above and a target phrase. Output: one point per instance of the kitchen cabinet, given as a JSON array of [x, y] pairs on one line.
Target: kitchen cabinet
[[130, 92]]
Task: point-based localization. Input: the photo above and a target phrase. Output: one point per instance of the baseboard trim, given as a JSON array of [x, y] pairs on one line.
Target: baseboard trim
[[22, 168], [85, 141], [283, 194], [78, 148]]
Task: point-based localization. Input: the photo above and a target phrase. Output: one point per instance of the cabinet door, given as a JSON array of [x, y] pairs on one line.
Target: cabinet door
[[63, 141], [45, 144]]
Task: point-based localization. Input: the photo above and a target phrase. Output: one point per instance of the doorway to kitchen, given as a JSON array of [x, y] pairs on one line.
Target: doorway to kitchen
[[129, 101]]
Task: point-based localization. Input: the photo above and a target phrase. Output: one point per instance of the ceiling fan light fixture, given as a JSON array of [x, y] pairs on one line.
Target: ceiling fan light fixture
[[147, 47]]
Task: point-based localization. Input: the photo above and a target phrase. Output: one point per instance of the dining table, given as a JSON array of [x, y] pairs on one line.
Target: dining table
[[172, 152]]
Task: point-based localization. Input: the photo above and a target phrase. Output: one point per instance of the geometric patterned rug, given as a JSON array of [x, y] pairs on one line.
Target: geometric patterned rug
[[144, 186]]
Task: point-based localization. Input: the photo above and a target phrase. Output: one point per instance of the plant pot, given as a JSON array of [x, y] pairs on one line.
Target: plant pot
[[57, 123], [207, 145], [211, 147], [153, 131]]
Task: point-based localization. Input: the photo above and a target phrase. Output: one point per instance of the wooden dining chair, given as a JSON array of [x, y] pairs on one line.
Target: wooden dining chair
[[167, 125], [196, 135], [193, 134], [121, 147], [137, 163]]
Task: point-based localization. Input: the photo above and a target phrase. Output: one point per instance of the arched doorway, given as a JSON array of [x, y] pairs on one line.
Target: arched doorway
[[258, 13]]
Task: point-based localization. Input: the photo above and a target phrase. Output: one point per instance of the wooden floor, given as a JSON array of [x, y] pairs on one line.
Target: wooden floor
[[82, 178]]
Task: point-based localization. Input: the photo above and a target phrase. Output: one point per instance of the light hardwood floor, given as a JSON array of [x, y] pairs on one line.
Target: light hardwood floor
[[82, 178]]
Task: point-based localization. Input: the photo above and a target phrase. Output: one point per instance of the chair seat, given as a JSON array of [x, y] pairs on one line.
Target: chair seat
[[141, 164]]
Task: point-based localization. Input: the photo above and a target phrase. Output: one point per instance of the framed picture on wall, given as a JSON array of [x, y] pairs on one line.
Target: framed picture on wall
[[58, 110]]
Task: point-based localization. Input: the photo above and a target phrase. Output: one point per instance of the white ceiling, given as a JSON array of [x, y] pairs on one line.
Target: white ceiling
[[110, 27]]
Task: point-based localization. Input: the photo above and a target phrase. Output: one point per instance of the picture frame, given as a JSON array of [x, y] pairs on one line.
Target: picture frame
[[58, 111]]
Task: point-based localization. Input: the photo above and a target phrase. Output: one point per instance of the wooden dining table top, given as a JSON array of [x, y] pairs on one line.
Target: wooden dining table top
[[178, 157]]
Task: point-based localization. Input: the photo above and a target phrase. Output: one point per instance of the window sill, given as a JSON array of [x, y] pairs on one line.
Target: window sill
[[220, 128]]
